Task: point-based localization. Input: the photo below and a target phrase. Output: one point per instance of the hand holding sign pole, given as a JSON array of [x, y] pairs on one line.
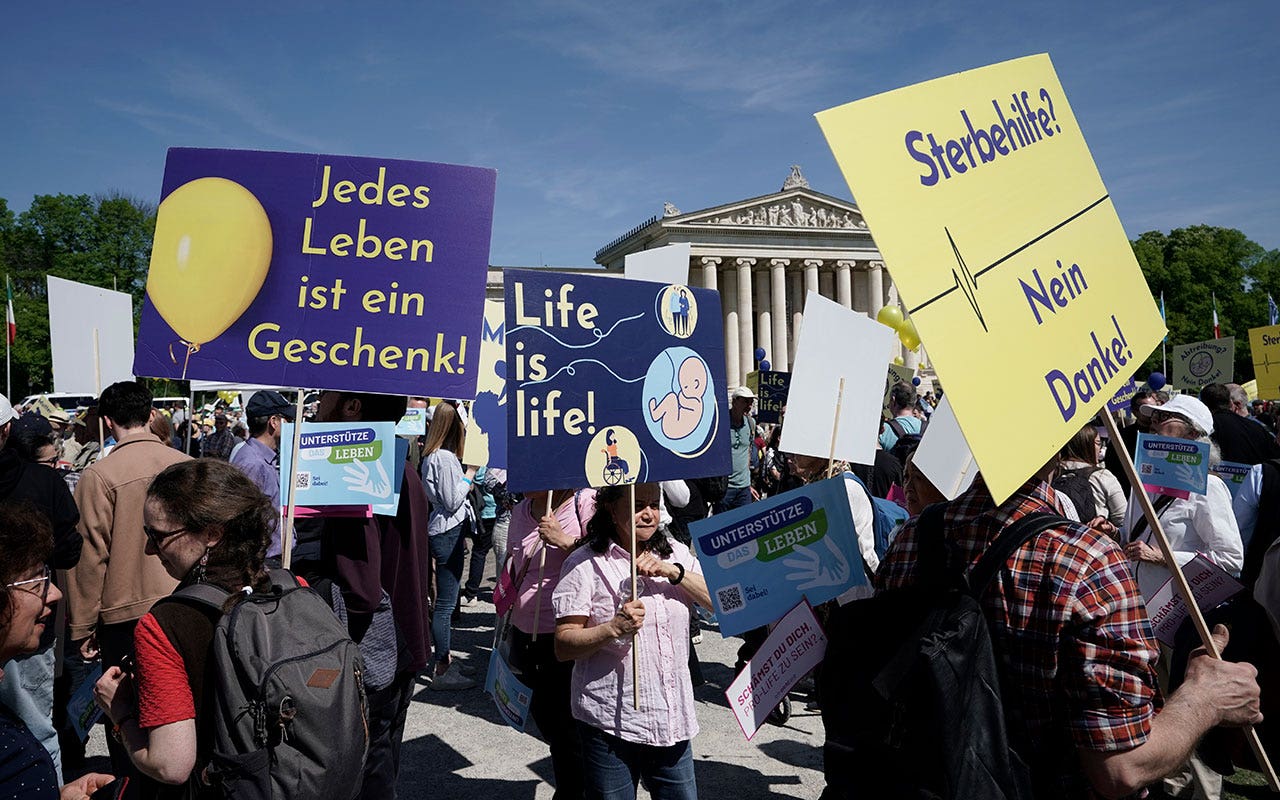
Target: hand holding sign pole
[[1184, 588], [542, 568]]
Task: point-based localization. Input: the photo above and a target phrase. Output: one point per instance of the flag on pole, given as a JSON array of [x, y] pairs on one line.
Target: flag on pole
[[1273, 312], [12, 323], [1217, 332], [1163, 318]]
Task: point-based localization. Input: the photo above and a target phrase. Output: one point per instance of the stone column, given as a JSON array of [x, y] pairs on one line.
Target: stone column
[[777, 271], [844, 283], [875, 288], [709, 264], [729, 300], [764, 316], [811, 274], [797, 317], [746, 336]]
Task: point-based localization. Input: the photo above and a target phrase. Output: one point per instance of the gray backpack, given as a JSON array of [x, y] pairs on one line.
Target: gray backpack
[[287, 696]]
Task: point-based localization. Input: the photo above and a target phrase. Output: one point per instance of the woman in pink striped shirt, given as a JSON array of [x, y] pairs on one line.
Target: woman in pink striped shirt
[[532, 537], [597, 625]]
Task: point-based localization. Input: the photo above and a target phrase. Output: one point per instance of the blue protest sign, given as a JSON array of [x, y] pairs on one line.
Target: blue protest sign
[[342, 463], [761, 559], [1233, 474], [1176, 467], [510, 695], [413, 423], [771, 397], [1120, 402], [612, 382]]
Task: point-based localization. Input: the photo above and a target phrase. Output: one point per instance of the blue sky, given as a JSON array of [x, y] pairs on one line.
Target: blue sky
[[596, 113]]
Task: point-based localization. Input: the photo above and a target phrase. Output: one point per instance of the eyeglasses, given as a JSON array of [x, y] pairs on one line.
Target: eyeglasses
[[157, 536], [1158, 416], [42, 583], [50, 461]]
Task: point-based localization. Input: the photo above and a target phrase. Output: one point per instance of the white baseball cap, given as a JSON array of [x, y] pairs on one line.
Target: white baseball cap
[[6, 410], [743, 391], [1185, 406]]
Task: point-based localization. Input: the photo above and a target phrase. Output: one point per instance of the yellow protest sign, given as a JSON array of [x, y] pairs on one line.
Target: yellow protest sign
[[1265, 346], [486, 443], [1002, 239], [1199, 364]]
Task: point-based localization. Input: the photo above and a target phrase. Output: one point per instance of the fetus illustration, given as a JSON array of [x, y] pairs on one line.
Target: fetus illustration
[[680, 411]]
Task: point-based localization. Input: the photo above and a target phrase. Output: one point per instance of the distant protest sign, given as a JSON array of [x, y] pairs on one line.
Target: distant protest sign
[[1172, 466], [763, 558], [836, 344], [1264, 344], [413, 423], [898, 373], [342, 463], [1199, 364], [78, 313], [668, 264], [795, 647], [1233, 474], [1120, 401], [511, 697], [611, 382], [358, 274], [1006, 248], [486, 443], [771, 396]]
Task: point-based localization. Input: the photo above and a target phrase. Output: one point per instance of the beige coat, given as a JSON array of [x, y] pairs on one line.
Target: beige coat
[[116, 581]]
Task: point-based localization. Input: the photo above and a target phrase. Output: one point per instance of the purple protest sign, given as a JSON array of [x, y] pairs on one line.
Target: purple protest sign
[[1120, 402], [332, 272]]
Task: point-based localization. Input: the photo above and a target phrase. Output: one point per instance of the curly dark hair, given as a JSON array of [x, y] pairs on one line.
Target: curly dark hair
[[26, 541], [207, 493], [601, 529]]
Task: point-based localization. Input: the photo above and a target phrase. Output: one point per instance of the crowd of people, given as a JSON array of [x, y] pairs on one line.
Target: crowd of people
[[122, 521]]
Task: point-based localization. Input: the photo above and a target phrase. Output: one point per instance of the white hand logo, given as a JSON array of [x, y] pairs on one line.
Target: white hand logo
[[359, 480], [811, 564]]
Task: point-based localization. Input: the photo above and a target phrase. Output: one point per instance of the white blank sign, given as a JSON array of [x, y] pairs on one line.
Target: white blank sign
[[76, 310], [836, 343], [668, 265]]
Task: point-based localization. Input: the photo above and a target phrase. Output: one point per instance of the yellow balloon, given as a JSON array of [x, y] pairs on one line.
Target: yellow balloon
[[898, 360], [908, 336], [890, 315], [209, 257]]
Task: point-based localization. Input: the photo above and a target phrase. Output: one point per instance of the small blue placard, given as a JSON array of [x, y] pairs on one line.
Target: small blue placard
[[1233, 474], [342, 463], [762, 559], [510, 695], [1176, 467]]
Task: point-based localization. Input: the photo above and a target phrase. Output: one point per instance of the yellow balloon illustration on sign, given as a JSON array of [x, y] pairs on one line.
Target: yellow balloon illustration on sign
[[209, 258]]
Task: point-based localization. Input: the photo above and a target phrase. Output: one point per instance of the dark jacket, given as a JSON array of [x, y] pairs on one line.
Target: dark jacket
[[44, 488], [1242, 440]]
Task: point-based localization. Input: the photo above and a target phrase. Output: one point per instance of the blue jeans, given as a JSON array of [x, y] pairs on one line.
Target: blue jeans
[[734, 498], [27, 689], [614, 767], [447, 552]]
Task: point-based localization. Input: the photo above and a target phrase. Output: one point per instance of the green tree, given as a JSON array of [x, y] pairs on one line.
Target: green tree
[[103, 241], [1192, 266]]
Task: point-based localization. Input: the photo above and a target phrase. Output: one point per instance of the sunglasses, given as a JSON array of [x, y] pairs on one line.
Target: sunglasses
[[156, 536], [39, 586]]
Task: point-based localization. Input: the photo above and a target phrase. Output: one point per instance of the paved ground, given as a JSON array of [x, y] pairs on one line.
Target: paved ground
[[456, 746]]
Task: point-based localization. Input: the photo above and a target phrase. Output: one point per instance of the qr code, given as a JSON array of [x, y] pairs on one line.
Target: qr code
[[730, 598], [304, 480], [1145, 469]]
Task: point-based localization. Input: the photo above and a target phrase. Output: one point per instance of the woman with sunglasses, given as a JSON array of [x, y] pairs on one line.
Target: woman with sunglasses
[[207, 523], [26, 608], [598, 624]]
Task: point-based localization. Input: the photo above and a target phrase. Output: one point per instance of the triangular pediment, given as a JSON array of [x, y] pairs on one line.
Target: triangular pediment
[[800, 209]]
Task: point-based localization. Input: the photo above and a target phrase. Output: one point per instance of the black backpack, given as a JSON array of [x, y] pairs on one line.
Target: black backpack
[[288, 702], [1074, 483], [907, 442], [910, 686]]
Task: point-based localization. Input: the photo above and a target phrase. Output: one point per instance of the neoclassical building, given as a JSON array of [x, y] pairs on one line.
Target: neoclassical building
[[764, 255]]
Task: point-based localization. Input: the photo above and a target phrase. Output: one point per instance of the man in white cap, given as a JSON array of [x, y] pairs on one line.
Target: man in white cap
[[742, 440]]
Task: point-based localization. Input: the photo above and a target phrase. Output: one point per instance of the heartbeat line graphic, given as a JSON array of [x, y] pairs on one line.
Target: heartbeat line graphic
[[1266, 362], [967, 282]]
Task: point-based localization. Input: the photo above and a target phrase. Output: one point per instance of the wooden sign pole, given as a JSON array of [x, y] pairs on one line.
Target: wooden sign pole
[[542, 566], [1180, 581], [635, 595], [835, 429], [286, 539]]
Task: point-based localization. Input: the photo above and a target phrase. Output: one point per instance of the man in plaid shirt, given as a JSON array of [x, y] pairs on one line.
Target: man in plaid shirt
[[1078, 651]]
